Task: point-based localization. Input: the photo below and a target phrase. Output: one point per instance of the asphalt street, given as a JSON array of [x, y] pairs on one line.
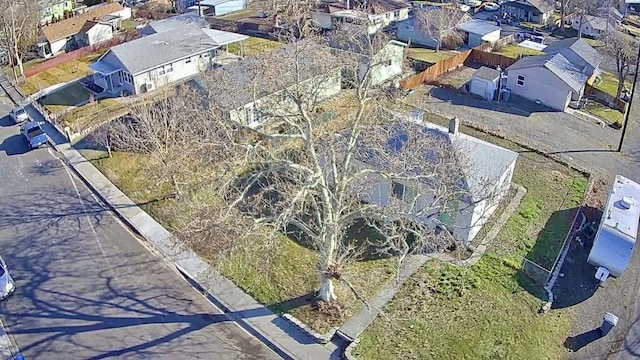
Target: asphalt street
[[86, 287]]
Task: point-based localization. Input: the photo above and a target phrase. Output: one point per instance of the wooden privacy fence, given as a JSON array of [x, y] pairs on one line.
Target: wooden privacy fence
[[606, 98], [491, 59], [435, 70]]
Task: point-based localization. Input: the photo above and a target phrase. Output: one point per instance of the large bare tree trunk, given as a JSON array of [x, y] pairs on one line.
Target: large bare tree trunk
[[326, 292]]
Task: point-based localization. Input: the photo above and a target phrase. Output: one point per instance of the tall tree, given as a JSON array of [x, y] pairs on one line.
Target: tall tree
[[19, 23], [440, 24], [622, 48]]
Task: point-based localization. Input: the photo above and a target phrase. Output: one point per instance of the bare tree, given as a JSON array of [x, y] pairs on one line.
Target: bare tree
[[19, 23], [622, 48], [441, 24]]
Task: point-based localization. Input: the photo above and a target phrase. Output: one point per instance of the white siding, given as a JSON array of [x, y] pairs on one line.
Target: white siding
[[492, 36], [388, 64], [180, 70], [484, 88], [539, 84], [123, 14], [99, 33], [58, 46]]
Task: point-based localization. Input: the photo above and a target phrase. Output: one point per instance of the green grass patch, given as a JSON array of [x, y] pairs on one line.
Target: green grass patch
[[128, 24], [514, 51], [489, 310], [608, 83], [253, 46], [429, 55], [93, 113], [72, 70], [68, 96], [606, 113]]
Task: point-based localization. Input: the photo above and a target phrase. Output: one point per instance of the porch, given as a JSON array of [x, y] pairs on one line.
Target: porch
[[106, 79]]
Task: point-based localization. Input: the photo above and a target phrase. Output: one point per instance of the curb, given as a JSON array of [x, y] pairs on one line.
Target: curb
[[347, 352], [317, 337]]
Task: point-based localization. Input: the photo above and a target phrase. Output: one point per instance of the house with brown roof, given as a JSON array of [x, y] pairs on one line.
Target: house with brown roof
[[95, 25]]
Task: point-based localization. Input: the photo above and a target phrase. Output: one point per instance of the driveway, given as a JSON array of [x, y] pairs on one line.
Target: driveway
[[86, 288]]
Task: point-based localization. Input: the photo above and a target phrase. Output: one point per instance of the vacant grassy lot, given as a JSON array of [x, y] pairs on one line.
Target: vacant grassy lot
[[429, 55], [280, 274], [68, 96], [608, 83], [514, 51], [253, 46], [69, 71], [484, 312]]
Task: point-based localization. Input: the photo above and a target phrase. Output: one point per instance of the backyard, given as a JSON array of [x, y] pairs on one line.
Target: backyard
[[514, 51], [253, 46], [69, 71], [429, 55], [489, 310], [65, 97], [608, 83]]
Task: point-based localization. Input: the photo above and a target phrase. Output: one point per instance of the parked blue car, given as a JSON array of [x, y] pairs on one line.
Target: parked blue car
[[33, 134]]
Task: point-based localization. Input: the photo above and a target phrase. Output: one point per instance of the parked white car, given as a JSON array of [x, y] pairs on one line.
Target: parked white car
[[7, 285], [464, 8], [491, 7], [19, 115], [473, 3]]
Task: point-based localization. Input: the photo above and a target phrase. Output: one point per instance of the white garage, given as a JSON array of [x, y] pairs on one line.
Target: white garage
[[485, 82]]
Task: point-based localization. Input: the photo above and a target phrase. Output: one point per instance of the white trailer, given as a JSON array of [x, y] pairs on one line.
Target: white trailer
[[618, 229]]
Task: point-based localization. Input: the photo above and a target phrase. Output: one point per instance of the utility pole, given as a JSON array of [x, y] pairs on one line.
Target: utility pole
[[633, 93]]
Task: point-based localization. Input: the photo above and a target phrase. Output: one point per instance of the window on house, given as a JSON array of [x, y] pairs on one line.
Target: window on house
[[168, 68], [188, 61], [387, 63], [127, 78], [520, 80], [396, 14], [161, 71]]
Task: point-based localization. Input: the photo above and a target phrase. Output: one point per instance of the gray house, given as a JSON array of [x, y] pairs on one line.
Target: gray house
[[552, 80], [174, 22], [535, 11], [477, 32], [153, 61], [580, 53], [410, 31]]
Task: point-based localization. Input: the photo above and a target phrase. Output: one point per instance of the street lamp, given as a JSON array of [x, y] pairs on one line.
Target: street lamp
[[633, 92]]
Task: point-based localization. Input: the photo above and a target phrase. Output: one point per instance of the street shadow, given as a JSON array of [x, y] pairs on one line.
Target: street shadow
[[578, 282], [515, 105], [7, 121], [538, 263], [575, 343], [14, 145]]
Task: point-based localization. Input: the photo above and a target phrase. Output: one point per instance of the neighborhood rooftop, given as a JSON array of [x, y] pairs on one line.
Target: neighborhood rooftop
[[580, 46], [486, 73], [158, 49], [73, 25], [557, 64], [372, 6], [543, 5], [479, 27], [175, 22]]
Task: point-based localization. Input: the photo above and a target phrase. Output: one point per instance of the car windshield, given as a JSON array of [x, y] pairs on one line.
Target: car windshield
[[20, 112], [34, 131]]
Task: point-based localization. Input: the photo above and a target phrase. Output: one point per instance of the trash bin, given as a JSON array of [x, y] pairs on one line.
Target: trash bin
[[608, 322]]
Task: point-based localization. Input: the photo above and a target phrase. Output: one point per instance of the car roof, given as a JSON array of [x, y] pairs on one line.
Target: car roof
[[31, 124]]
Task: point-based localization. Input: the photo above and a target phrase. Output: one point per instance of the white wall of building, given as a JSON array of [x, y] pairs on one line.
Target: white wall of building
[[99, 33], [173, 72], [538, 83]]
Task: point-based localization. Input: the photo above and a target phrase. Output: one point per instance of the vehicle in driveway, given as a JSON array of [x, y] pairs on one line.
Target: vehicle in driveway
[[33, 134], [7, 285], [491, 7], [19, 115]]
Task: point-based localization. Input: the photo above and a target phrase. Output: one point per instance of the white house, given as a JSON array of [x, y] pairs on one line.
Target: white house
[[157, 60], [592, 26], [88, 28], [484, 83], [487, 172], [173, 23], [478, 32], [377, 14], [248, 96]]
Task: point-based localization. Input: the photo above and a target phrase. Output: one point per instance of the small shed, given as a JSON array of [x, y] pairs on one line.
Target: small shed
[[485, 82], [477, 32], [222, 7]]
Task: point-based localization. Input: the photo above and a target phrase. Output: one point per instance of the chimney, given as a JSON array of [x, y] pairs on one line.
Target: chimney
[[454, 125]]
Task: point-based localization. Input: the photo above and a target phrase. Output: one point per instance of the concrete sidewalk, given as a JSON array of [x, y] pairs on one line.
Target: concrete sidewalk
[[278, 333]]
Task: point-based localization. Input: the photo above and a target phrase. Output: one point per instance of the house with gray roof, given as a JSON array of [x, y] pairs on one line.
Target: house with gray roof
[[593, 26], [254, 91], [174, 22], [534, 11], [153, 61], [486, 174], [580, 53], [551, 79]]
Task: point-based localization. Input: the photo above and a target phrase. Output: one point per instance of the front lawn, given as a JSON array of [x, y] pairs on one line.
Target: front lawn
[[71, 95], [606, 113], [489, 310], [69, 71], [514, 51], [93, 113], [429, 55]]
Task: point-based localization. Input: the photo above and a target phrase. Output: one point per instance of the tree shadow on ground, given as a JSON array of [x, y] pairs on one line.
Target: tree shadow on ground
[[539, 261], [575, 343], [577, 282]]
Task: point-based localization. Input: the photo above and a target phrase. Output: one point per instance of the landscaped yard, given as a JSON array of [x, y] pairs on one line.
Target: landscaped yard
[[429, 55], [613, 116], [484, 312], [66, 72], [93, 113], [608, 83], [68, 96], [253, 46], [514, 51]]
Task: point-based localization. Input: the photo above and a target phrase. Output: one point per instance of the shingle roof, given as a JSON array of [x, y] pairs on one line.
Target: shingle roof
[[486, 73], [578, 46], [174, 22], [370, 6], [247, 73], [155, 50], [597, 22], [479, 27], [544, 6], [72, 26], [558, 65]]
